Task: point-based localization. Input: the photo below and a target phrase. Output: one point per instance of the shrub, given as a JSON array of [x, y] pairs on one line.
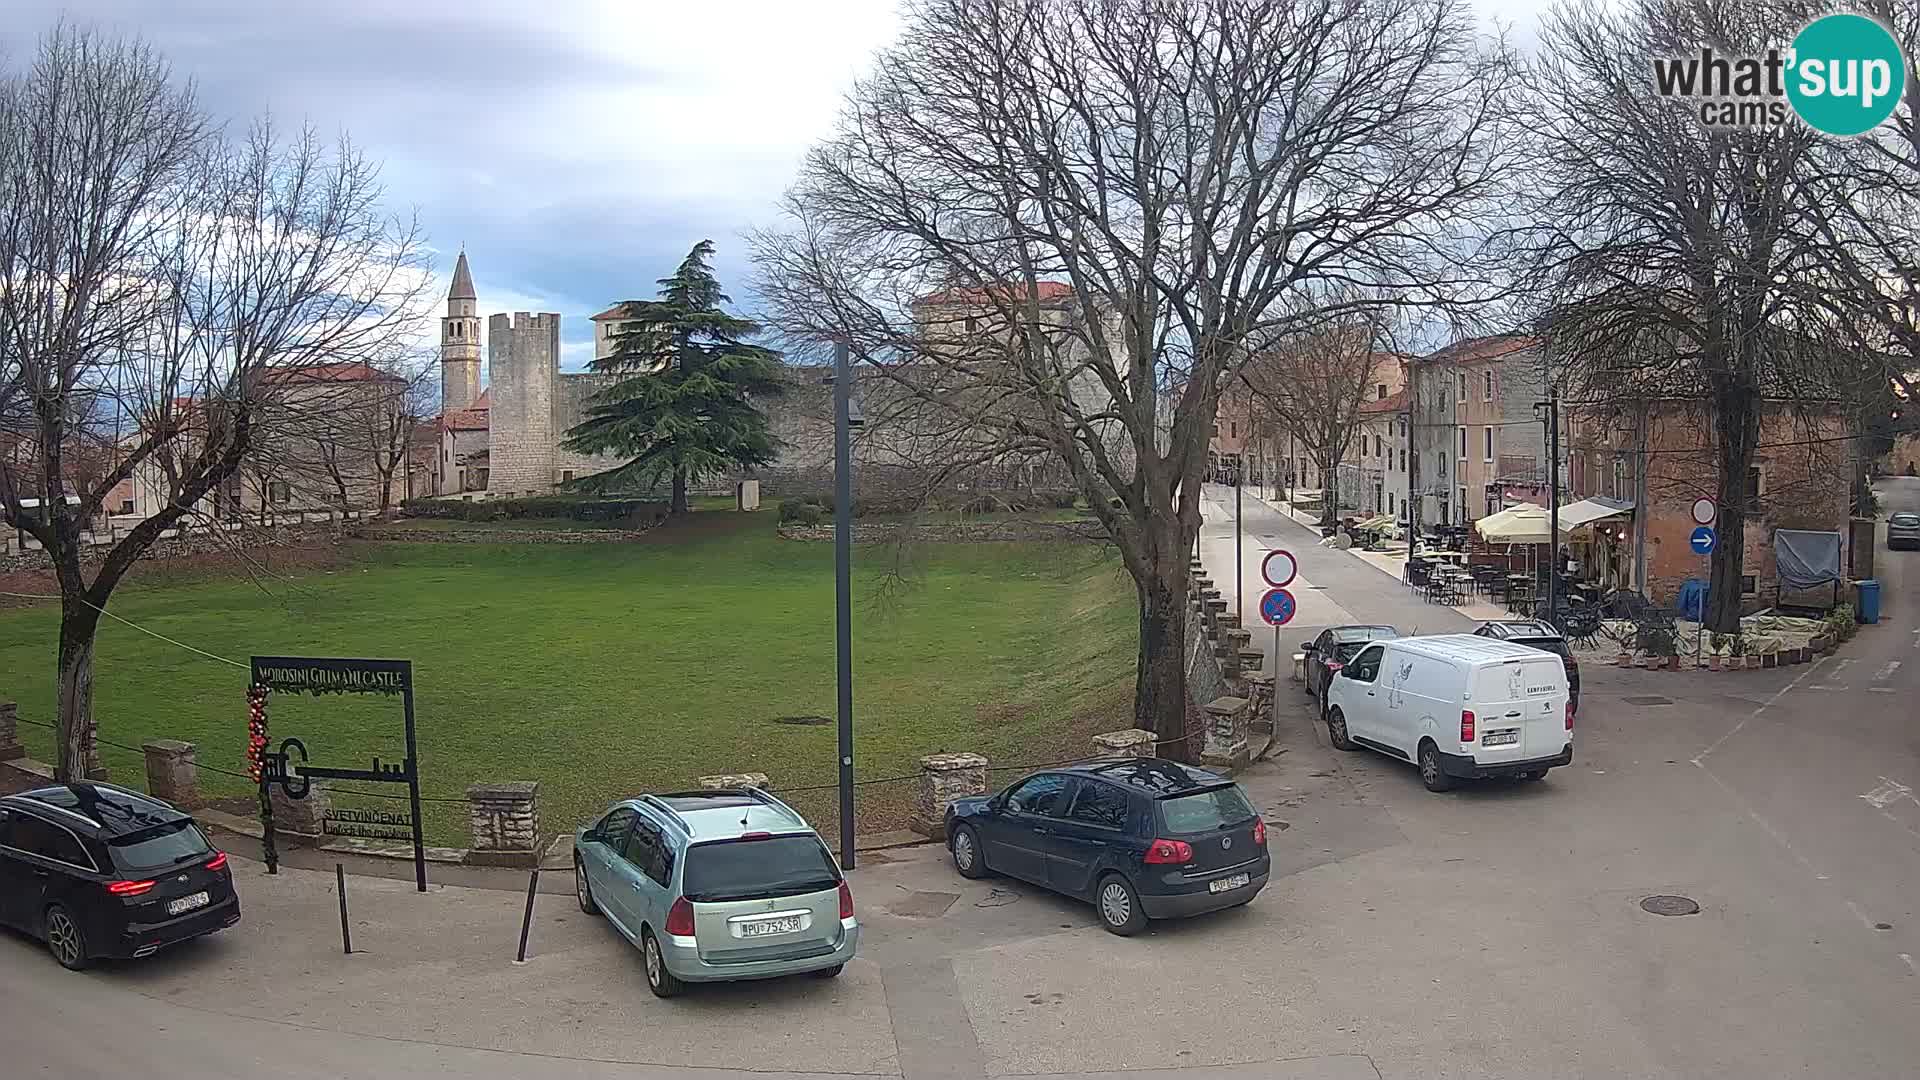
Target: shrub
[[633, 513], [801, 512]]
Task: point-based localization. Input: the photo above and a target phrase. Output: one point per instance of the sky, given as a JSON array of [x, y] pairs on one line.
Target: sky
[[575, 148]]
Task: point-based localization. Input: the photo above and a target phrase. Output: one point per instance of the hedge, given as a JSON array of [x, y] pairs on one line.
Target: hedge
[[632, 512]]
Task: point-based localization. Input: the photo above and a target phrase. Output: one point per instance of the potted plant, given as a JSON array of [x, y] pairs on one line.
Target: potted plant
[[1718, 645], [1621, 634], [1736, 654]]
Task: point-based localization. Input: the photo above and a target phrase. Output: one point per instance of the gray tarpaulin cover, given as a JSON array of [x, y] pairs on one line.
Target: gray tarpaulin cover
[[1806, 559]]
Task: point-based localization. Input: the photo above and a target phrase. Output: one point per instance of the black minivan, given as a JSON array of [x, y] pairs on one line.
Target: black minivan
[[99, 871], [1142, 838]]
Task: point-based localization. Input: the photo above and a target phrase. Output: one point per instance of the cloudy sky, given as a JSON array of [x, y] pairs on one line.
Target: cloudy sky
[[576, 148]]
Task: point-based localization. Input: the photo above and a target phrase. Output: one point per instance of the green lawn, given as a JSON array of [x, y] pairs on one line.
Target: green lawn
[[602, 670]]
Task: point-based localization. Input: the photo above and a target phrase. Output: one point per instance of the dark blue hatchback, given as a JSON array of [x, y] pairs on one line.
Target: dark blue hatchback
[[1141, 838]]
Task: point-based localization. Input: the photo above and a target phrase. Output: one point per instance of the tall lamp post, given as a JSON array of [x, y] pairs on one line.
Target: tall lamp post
[[844, 419]]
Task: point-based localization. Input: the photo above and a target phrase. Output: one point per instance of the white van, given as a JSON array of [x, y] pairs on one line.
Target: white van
[[1461, 707]]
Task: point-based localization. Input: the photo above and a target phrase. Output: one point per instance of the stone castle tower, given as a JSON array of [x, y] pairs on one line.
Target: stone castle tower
[[460, 342], [523, 361]]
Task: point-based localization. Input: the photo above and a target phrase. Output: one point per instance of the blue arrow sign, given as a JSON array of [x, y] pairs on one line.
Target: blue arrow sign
[[1702, 540], [1277, 607]]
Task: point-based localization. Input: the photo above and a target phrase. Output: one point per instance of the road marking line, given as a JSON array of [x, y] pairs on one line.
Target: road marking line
[[1828, 686], [1864, 921], [1888, 792], [1909, 961], [1842, 664], [1881, 690], [1887, 672], [1764, 706]]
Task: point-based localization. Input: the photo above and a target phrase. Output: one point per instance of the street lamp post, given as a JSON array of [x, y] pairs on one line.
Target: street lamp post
[[843, 587]]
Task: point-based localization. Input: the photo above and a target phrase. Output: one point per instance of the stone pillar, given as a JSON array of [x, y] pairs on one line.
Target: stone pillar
[[172, 773], [1252, 659], [10, 747], [300, 818], [1131, 743], [1225, 734], [944, 778], [506, 823], [736, 780]]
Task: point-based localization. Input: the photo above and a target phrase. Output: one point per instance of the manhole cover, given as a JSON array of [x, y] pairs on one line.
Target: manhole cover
[[807, 720], [923, 905], [1670, 905], [1648, 700]]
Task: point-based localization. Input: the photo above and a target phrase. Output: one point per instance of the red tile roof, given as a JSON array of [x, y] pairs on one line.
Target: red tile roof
[[1392, 403], [1484, 348], [344, 371], [617, 311], [464, 420]]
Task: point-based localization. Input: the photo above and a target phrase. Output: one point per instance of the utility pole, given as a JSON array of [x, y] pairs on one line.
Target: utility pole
[[1413, 461], [1553, 496], [1239, 601], [843, 588], [1640, 511]]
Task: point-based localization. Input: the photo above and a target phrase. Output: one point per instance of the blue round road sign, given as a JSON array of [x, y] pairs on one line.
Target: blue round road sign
[[1277, 607], [1702, 540]]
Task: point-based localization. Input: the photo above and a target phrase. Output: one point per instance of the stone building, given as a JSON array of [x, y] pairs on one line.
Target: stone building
[[1477, 444]]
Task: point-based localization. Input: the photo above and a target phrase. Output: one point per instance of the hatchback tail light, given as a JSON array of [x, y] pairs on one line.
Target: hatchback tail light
[[128, 888], [218, 862], [680, 918], [1169, 852], [1259, 832], [1466, 725], [846, 901], [1569, 714]]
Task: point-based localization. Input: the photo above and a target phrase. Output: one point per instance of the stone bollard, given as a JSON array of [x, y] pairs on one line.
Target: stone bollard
[[1252, 659], [736, 780], [1229, 664], [506, 823], [172, 773], [944, 778], [10, 747], [301, 818], [1225, 735], [1230, 621], [1130, 743]]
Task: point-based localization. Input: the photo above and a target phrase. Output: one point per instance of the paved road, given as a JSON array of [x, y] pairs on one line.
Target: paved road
[[1495, 931]]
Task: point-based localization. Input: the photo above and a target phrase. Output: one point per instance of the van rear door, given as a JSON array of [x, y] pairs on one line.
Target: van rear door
[[1520, 708]]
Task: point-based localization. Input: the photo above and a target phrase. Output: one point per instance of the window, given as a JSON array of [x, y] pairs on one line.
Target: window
[[1488, 432], [612, 830], [1756, 483], [1486, 388], [1206, 811], [1376, 446], [566, 477], [1403, 459], [1460, 385], [972, 324], [1463, 503], [1101, 805], [1233, 429], [47, 840], [1379, 391], [732, 870], [278, 491], [646, 852], [159, 848], [1045, 795], [1463, 444], [1440, 462], [126, 506], [1389, 502], [1366, 666]]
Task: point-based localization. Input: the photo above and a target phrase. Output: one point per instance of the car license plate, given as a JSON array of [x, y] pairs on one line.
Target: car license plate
[[764, 927], [187, 903], [1500, 738], [1227, 884]]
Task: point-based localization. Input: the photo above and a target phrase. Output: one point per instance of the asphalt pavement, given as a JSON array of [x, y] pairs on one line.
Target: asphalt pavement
[[1495, 931]]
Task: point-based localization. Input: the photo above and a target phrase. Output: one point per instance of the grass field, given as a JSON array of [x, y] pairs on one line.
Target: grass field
[[602, 670]]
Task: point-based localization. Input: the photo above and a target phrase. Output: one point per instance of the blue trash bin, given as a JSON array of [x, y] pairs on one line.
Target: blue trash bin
[[1867, 605]]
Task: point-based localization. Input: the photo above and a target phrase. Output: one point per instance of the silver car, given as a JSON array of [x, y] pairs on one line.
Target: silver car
[[1903, 530], [714, 886]]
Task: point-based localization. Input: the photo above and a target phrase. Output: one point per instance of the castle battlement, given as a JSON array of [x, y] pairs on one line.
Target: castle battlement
[[521, 320]]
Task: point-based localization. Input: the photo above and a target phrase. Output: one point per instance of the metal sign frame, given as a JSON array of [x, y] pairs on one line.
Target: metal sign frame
[[318, 675]]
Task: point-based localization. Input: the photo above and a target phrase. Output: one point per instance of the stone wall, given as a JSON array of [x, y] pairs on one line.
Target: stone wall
[[502, 536], [955, 533], [523, 357], [198, 542], [571, 392]]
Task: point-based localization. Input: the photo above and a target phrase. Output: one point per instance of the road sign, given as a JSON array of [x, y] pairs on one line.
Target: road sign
[[1704, 512], [1277, 607], [1279, 568], [1702, 540]]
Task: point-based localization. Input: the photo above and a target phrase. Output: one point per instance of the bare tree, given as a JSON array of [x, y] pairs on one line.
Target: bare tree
[[1311, 385], [1045, 215], [153, 278], [1680, 263]]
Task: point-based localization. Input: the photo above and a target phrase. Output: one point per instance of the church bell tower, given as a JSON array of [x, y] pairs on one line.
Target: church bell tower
[[460, 342]]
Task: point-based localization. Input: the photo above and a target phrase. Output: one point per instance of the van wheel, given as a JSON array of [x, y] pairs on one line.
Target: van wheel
[[1431, 774], [1337, 731], [1119, 905], [659, 979]]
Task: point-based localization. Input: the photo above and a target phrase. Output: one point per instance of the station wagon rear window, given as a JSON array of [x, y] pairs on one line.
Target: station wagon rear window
[[159, 848], [757, 869], [1206, 811]]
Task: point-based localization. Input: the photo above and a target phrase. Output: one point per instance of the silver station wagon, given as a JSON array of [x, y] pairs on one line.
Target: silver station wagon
[[714, 886]]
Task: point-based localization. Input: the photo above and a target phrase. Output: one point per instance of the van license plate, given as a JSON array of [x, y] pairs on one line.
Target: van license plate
[[1500, 738], [764, 927], [187, 903], [1227, 884]]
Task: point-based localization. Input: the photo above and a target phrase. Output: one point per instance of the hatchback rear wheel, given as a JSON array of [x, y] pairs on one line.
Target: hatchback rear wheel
[[65, 940], [1119, 905]]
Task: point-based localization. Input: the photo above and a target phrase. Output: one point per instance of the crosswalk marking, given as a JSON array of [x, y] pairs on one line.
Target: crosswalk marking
[[1887, 672]]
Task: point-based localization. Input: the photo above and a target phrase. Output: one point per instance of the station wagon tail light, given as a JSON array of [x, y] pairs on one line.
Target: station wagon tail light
[[218, 862], [846, 901], [128, 888], [1569, 714], [1260, 832], [680, 918], [1169, 852], [1466, 725]]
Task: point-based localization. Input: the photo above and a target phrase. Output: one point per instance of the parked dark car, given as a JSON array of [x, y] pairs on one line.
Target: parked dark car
[[1540, 635], [1903, 531], [1331, 651], [99, 871], [1141, 838]]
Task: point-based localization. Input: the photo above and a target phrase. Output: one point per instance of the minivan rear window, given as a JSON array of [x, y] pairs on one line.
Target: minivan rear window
[[159, 848], [1206, 811], [757, 869]]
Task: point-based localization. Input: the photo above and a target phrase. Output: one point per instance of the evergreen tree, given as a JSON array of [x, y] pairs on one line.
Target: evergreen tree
[[685, 403]]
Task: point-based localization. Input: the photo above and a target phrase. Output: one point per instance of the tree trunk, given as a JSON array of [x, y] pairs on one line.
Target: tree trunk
[[679, 504], [1160, 672], [77, 756], [1736, 424]]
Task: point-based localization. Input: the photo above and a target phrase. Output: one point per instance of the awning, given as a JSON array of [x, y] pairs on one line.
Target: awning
[[1587, 511]]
